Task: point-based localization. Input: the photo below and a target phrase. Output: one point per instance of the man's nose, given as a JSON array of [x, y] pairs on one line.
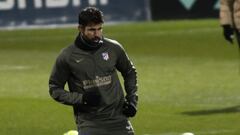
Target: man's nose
[[97, 33]]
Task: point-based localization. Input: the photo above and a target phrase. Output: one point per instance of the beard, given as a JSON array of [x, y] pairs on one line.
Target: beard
[[96, 39], [94, 42]]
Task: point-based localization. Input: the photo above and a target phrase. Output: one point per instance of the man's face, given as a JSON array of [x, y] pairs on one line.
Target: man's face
[[92, 32]]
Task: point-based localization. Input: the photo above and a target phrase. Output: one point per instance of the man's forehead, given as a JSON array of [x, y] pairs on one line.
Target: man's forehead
[[94, 25]]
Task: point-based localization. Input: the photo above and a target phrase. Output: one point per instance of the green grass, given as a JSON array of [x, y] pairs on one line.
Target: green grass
[[188, 79]]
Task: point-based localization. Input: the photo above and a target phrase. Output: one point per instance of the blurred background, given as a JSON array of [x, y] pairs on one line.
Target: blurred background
[[188, 75], [23, 13]]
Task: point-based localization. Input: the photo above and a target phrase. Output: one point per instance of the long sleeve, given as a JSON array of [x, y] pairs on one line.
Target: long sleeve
[[58, 78], [128, 71], [226, 12]]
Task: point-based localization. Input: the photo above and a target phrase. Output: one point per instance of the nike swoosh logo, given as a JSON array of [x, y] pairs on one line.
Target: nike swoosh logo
[[79, 60]]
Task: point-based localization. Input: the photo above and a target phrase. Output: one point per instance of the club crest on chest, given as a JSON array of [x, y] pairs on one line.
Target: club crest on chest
[[105, 56]]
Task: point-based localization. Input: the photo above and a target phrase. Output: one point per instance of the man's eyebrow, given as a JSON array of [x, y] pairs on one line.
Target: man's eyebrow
[[95, 28]]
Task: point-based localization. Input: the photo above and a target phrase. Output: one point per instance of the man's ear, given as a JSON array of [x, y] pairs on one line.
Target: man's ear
[[80, 28]]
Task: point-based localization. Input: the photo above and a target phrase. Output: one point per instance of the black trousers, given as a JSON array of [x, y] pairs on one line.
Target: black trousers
[[125, 129]]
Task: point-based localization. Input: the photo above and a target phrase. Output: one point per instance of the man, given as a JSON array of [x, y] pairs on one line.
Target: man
[[89, 67], [230, 19]]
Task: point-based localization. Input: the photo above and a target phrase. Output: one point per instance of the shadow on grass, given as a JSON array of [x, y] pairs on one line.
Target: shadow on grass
[[233, 109]]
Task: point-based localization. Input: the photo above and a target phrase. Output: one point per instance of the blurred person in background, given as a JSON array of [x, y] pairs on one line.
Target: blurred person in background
[[230, 19], [89, 66]]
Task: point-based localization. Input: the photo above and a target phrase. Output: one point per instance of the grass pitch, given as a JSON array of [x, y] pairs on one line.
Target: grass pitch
[[188, 79]]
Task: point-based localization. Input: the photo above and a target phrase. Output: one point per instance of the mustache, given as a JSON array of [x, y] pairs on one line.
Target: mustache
[[96, 39]]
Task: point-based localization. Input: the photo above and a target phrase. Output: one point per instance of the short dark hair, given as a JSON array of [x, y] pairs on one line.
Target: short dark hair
[[90, 15]]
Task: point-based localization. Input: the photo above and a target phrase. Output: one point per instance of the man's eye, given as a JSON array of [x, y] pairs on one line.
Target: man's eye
[[95, 29]]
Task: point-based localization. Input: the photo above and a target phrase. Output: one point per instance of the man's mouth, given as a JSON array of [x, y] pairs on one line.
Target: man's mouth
[[96, 39]]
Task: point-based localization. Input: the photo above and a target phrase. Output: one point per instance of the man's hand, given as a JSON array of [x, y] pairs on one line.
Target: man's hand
[[129, 109], [92, 98], [228, 33]]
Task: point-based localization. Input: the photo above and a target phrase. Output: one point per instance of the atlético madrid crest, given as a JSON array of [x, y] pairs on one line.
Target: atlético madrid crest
[[105, 56]]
